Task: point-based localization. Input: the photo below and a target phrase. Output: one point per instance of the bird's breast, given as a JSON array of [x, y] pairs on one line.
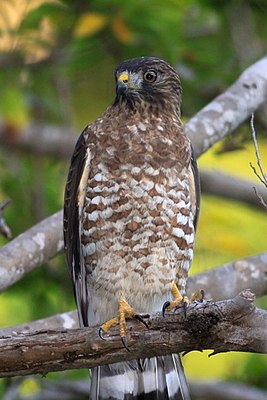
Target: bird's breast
[[137, 221]]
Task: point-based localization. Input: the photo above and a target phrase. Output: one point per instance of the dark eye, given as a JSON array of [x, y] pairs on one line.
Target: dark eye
[[150, 76]]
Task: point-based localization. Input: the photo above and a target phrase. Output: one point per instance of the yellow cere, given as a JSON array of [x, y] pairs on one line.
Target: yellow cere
[[123, 77]]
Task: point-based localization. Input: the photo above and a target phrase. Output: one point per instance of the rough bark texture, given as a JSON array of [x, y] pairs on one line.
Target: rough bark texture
[[30, 249], [250, 272], [230, 109], [230, 325], [228, 280]]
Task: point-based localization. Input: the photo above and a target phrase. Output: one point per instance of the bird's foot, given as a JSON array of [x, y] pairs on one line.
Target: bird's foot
[[181, 301], [125, 311]]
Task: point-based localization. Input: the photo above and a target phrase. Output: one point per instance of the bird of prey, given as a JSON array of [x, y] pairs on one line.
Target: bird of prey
[[130, 216]]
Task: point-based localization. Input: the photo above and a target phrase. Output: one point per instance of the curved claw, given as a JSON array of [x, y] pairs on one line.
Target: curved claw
[[100, 333], [124, 342], [141, 319], [164, 307], [202, 295], [185, 306]]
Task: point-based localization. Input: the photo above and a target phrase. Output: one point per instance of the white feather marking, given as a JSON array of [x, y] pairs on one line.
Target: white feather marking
[[88, 249], [117, 386], [149, 380], [136, 170], [151, 171], [182, 219], [93, 216], [172, 383], [178, 232], [88, 232], [107, 213], [158, 199], [97, 200], [189, 238], [147, 185], [100, 177], [83, 181], [160, 189], [132, 128], [141, 126], [170, 213]]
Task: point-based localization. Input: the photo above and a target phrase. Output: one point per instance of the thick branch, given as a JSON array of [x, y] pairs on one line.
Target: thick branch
[[228, 280], [30, 249], [41, 139], [230, 109], [230, 325], [236, 276], [230, 187]]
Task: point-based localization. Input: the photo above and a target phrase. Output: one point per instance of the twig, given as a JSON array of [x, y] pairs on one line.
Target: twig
[[263, 176], [4, 228]]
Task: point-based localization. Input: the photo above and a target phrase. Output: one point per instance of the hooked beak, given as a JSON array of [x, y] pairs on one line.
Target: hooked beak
[[122, 83]]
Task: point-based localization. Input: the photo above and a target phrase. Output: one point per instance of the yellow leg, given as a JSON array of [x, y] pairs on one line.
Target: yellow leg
[[124, 311], [179, 300]]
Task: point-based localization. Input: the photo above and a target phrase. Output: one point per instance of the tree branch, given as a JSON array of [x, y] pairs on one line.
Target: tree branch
[[261, 176], [40, 139], [236, 276], [230, 109], [30, 249], [229, 325], [227, 281], [230, 187]]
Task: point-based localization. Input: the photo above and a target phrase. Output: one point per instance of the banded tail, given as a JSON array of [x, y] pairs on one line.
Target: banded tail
[[157, 378]]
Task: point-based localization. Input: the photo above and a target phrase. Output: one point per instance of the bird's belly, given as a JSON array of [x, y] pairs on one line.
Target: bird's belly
[[137, 239]]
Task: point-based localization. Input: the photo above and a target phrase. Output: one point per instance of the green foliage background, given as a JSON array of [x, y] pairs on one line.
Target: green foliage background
[[56, 66]]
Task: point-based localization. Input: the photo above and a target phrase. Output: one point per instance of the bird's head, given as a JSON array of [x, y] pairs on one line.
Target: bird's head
[[148, 81]]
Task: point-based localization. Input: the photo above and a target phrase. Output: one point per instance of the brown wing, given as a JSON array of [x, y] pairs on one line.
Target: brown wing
[[73, 203], [194, 187]]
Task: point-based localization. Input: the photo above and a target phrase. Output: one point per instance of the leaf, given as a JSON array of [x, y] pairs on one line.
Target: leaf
[[90, 23], [121, 30]]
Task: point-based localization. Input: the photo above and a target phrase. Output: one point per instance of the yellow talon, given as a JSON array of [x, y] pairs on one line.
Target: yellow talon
[[124, 311], [179, 300]]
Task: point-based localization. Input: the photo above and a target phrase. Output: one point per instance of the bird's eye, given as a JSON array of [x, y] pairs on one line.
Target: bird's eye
[[150, 76]]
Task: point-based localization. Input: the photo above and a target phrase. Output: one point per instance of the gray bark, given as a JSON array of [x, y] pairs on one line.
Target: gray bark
[[30, 249]]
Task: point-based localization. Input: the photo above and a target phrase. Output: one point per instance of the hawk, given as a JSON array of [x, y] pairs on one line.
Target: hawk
[[130, 216]]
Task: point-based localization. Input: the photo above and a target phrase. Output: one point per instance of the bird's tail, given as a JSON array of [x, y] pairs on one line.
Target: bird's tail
[[157, 378]]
